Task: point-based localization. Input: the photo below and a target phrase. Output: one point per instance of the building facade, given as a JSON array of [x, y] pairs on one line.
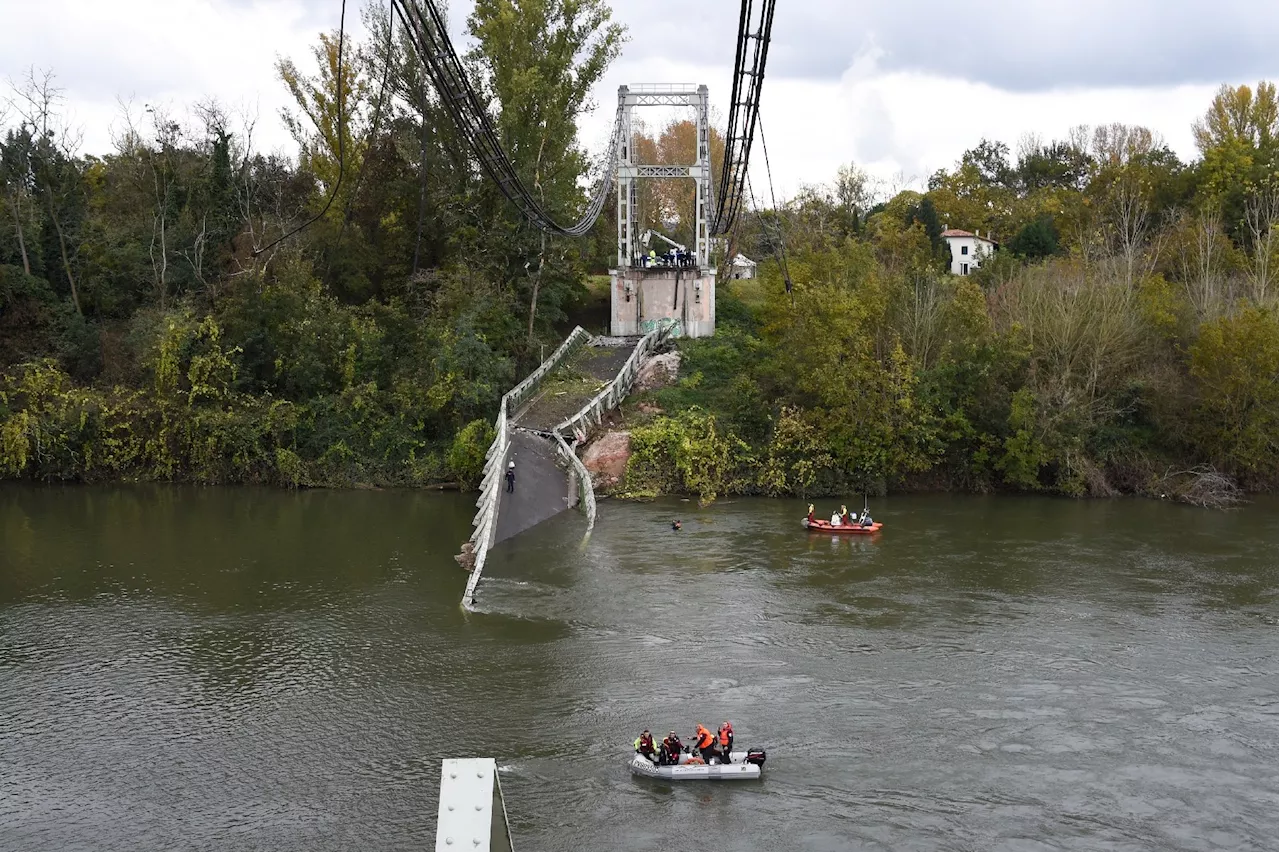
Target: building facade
[[968, 250]]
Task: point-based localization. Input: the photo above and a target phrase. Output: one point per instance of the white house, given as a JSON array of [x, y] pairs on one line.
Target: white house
[[968, 250], [744, 267]]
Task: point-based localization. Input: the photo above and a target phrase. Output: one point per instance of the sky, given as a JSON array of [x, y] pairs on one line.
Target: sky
[[900, 89]]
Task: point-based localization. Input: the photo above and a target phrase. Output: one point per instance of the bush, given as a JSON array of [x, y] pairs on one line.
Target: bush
[[467, 454]]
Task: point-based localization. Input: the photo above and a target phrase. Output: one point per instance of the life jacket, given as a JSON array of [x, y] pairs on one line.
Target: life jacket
[[725, 733], [704, 738], [646, 743]]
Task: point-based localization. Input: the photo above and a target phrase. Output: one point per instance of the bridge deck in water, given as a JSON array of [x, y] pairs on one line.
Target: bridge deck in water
[[541, 486]]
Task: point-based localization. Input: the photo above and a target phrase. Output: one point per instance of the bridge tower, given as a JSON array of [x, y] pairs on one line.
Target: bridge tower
[[642, 295]]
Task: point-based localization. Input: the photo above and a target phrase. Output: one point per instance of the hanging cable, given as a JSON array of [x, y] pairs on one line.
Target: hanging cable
[[428, 34], [781, 242], [342, 27], [373, 131]]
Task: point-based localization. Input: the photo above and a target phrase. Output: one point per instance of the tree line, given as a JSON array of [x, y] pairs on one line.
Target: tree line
[[157, 321], [1122, 339], [162, 317]]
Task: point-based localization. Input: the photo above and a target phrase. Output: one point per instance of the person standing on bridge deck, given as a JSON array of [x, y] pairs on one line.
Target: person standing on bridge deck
[[511, 477]]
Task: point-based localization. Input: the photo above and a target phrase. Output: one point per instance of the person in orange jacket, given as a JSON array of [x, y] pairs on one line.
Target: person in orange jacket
[[725, 737], [705, 742]]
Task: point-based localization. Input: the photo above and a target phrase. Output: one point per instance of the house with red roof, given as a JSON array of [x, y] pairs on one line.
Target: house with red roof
[[968, 250]]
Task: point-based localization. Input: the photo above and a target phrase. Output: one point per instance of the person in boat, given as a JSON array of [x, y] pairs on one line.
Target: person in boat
[[669, 753], [705, 742], [810, 513], [844, 515], [865, 520], [725, 736], [644, 745], [835, 519]]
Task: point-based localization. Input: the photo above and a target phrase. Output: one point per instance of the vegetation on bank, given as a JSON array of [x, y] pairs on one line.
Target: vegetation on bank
[[153, 325], [1123, 341]]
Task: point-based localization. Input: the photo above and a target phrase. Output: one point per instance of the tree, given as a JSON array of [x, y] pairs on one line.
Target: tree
[[541, 58], [1233, 362], [1236, 114], [1037, 239], [991, 159]]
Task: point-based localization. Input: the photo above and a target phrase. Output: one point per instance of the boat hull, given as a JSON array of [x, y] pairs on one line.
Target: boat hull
[[842, 529], [738, 770]]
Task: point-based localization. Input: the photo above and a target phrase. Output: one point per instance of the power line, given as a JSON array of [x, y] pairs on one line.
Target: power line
[[781, 242], [342, 27]]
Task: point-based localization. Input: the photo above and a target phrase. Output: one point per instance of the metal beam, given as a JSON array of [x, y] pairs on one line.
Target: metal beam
[[472, 815], [628, 171], [652, 171]]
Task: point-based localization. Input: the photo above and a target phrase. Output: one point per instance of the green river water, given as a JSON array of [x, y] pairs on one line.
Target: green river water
[[239, 669]]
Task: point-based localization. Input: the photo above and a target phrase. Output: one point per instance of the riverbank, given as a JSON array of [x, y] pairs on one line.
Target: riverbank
[[741, 416]]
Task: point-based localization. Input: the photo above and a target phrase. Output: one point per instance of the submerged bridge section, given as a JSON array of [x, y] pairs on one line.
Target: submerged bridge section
[[540, 424]]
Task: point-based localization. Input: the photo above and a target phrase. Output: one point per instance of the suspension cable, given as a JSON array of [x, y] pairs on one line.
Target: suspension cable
[[430, 39], [744, 107], [781, 243], [342, 27]]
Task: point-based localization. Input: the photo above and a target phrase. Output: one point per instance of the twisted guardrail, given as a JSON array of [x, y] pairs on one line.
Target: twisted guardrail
[[485, 523]]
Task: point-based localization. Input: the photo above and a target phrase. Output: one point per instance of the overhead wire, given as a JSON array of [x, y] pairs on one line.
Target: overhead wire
[[342, 28], [373, 127], [429, 36], [773, 200]]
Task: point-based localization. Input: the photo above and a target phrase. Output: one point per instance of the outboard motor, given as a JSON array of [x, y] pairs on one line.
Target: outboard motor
[[756, 756]]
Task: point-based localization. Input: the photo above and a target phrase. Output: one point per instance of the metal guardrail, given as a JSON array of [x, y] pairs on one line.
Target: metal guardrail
[[586, 494], [485, 523], [616, 391]]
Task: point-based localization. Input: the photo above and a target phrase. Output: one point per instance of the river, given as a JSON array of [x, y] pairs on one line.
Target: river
[[239, 669]]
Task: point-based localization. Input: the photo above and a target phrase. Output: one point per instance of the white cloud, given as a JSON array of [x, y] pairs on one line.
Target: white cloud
[[899, 118], [163, 52]]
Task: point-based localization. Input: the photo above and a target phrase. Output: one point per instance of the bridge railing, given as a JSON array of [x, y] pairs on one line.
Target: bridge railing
[[485, 523], [616, 391], [581, 476]]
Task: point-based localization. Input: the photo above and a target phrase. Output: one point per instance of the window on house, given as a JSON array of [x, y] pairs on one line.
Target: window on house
[[964, 269], [964, 249]]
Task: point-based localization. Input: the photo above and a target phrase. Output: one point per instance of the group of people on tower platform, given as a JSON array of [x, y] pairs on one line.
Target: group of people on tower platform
[[843, 518], [675, 257], [707, 745]]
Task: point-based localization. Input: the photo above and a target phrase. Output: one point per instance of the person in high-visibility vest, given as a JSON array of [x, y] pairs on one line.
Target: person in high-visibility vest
[[644, 745], [726, 741], [705, 742]]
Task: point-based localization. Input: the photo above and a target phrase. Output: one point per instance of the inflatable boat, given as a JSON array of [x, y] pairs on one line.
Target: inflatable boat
[[743, 766], [847, 529]]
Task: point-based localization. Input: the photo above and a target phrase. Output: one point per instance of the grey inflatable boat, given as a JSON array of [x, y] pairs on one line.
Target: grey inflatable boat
[[743, 766]]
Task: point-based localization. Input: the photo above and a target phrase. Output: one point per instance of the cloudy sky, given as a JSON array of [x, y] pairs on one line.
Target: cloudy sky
[[899, 88]]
